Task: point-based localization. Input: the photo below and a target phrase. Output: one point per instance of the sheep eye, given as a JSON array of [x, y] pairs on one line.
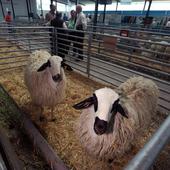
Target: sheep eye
[[95, 103]]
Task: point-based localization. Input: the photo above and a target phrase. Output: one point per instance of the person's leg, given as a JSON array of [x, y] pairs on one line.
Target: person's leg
[[80, 45], [60, 48], [73, 39], [75, 43]]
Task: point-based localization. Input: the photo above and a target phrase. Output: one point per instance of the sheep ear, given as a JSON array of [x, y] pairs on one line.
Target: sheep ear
[[118, 108], [84, 104], [121, 111], [44, 66]]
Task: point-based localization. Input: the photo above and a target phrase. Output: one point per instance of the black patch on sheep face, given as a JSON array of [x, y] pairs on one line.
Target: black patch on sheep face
[[116, 107], [87, 103], [57, 78], [100, 126], [95, 102], [44, 66]]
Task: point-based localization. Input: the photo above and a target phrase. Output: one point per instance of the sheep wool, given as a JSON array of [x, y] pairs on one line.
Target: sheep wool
[[138, 96], [44, 91]]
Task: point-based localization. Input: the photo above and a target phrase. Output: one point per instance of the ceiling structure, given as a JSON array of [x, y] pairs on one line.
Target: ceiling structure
[[93, 1]]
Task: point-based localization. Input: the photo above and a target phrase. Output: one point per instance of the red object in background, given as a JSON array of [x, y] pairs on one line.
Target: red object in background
[[8, 18], [124, 33]]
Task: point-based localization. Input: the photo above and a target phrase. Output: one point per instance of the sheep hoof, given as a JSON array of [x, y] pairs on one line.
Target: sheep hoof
[[42, 118], [110, 161]]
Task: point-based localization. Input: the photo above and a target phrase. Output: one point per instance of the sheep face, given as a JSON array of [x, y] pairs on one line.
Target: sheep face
[[53, 65], [106, 104]]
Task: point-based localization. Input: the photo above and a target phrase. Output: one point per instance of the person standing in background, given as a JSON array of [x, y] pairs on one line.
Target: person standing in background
[[51, 14], [8, 17], [81, 24], [61, 43], [71, 32], [8, 20]]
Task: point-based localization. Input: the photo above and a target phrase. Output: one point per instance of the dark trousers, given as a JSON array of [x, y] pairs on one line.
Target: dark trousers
[[78, 45], [71, 39]]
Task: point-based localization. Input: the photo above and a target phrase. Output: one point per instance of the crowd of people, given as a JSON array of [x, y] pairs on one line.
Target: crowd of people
[[72, 31]]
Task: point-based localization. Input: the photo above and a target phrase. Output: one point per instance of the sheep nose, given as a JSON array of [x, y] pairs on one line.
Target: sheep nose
[[56, 77], [100, 126]]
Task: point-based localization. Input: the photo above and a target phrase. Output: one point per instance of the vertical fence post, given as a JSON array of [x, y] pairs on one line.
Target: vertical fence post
[[89, 53], [147, 155], [53, 40]]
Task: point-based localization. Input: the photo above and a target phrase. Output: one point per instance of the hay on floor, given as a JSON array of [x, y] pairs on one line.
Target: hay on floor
[[60, 134]]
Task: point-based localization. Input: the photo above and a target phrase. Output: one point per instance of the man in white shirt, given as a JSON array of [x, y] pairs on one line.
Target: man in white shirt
[[81, 24]]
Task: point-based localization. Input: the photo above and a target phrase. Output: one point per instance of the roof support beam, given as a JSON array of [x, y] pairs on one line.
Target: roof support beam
[[2, 8], [104, 14], [13, 11], [149, 6], [96, 12]]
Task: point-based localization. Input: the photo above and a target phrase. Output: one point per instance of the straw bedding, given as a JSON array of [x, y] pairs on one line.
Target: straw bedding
[[60, 133]]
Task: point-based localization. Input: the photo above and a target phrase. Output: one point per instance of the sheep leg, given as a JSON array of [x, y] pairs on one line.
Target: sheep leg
[[52, 114]]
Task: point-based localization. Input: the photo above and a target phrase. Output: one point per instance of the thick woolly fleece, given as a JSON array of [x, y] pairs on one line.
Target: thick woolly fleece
[[138, 96], [43, 90]]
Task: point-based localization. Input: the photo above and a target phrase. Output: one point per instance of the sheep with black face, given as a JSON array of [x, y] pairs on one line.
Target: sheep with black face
[[111, 120], [45, 79]]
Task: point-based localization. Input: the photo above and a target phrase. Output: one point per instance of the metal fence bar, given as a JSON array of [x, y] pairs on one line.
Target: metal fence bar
[[145, 158], [129, 29]]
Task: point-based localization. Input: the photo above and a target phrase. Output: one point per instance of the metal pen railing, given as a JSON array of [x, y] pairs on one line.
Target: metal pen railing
[[16, 43], [148, 154], [108, 62], [109, 58]]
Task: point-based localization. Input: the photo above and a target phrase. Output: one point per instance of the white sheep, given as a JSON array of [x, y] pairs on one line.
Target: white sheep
[[111, 120], [45, 79], [155, 48]]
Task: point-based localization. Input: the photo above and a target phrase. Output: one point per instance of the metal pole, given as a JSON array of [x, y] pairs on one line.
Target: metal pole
[[2, 9], [12, 5], [88, 54], [104, 12], [41, 7], [145, 158], [56, 5], [144, 5], [28, 11], [30, 6], [117, 3], [147, 13], [96, 13], [76, 2]]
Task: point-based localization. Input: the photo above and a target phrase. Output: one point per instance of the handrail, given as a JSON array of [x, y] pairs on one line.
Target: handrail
[[147, 155]]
